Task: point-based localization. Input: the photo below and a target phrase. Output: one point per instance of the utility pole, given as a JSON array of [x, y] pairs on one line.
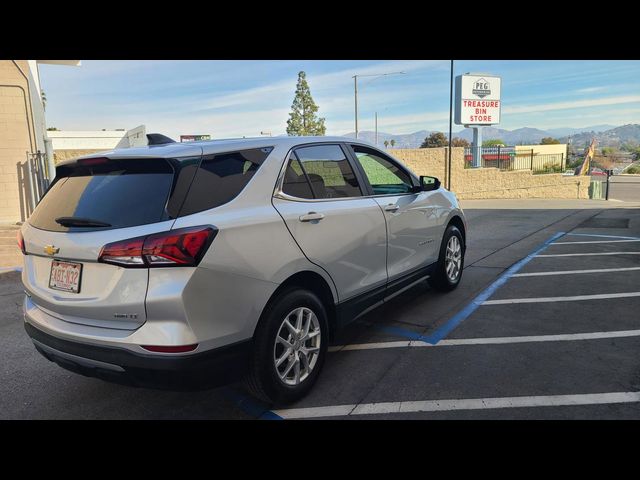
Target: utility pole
[[450, 127], [376, 128], [355, 95], [355, 90]]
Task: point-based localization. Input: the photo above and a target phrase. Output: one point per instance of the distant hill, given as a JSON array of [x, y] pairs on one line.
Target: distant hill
[[409, 140], [510, 137], [563, 132], [607, 137], [614, 137]]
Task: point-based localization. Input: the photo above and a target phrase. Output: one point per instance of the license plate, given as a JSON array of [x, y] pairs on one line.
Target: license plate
[[65, 276]]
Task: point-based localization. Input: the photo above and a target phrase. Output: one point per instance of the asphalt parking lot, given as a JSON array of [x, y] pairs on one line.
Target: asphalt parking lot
[[543, 325]]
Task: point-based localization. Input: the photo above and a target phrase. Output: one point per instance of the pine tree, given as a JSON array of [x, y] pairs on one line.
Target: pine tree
[[303, 120]]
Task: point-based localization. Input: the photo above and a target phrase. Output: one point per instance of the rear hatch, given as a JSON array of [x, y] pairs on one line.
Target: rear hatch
[[93, 202]]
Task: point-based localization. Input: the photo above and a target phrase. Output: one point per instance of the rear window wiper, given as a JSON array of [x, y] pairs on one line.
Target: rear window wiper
[[80, 222]]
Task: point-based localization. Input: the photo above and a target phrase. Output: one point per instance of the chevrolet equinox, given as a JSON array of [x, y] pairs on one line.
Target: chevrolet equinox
[[190, 265]]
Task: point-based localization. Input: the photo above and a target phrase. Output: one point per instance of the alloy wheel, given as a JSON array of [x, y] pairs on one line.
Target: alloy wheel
[[453, 258], [297, 346]]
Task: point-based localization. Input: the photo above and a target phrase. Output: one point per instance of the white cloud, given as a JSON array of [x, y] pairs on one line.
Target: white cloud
[[546, 107], [591, 89], [216, 108], [322, 84]]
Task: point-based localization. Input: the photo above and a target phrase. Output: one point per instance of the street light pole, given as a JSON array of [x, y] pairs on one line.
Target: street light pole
[[355, 94], [355, 89], [450, 126], [376, 128]]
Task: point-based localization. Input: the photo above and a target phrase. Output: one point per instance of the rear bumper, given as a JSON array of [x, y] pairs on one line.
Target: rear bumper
[[168, 372]]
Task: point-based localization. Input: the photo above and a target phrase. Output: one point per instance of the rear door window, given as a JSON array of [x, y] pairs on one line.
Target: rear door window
[[295, 182], [328, 171], [221, 177], [118, 193]]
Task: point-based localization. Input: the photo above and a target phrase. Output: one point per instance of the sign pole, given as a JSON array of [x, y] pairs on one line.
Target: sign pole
[[477, 147], [450, 126]]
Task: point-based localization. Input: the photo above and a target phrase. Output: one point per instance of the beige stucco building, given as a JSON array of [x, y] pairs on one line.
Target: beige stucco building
[[553, 149], [22, 132]]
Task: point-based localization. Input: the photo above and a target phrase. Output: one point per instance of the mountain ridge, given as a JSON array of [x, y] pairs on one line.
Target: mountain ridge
[[615, 136]]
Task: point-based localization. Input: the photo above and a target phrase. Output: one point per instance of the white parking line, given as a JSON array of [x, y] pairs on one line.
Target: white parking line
[[576, 298], [565, 337], [595, 241], [375, 345], [586, 254], [573, 272], [600, 236], [460, 404]]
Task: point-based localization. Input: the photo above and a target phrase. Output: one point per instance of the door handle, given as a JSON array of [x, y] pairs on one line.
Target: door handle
[[311, 216], [391, 207]]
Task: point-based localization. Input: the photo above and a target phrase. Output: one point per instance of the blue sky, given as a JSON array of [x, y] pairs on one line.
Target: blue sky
[[236, 98]]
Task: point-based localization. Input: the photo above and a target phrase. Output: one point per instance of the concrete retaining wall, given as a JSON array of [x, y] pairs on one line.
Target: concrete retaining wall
[[479, 183]]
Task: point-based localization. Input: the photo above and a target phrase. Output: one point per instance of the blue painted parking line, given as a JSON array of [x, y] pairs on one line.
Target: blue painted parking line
[[463, 314], [250, 405], [258, 410]]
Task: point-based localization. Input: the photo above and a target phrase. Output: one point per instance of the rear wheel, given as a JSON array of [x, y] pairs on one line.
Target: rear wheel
[[290, 346], [448, 272]]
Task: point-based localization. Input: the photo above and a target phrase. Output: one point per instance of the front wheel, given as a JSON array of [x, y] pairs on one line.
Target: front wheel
[[290, 346], [448, 271]]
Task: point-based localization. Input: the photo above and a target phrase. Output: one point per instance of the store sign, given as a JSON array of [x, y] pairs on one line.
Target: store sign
[[194, 138], [477, 100]]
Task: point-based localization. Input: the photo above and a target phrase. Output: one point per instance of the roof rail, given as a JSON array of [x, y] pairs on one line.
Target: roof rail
[[158, 139]]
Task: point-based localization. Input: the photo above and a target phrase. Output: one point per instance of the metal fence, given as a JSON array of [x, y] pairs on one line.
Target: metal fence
[[508, 158], [38, 177], [33, 181]]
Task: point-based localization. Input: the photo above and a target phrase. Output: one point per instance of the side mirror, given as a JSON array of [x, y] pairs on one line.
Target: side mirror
[[427, 184]]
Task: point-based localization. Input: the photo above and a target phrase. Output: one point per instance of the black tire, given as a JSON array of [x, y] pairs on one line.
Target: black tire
[[439, 280], [263, 380]]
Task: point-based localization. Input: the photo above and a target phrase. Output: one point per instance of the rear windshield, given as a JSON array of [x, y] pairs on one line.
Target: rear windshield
[[117, 194]]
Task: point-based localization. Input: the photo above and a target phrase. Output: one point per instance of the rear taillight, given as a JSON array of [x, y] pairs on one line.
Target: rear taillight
[[21, 243], [127, 253], [183, 247]]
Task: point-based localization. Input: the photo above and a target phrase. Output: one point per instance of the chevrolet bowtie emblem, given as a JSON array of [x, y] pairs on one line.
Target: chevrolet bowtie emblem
[[51, 250]]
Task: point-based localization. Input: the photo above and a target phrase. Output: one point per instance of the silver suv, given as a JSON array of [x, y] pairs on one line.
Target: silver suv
[[188, 265]]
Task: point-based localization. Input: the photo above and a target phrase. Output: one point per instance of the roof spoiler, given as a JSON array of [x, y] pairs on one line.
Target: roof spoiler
[[158, 139]]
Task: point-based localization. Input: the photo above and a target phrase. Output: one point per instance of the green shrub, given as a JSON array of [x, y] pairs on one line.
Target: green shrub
[[549, 168], [576, 163]]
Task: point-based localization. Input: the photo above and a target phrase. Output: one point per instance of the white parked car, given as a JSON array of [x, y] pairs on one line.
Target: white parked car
[[189, 265]]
